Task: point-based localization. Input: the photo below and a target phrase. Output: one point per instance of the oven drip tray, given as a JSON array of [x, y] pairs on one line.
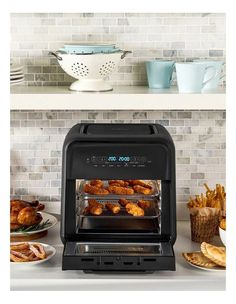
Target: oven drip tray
[[118, 249], [107, 256]]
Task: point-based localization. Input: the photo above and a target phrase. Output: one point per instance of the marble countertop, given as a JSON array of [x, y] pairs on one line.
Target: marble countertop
[[49, 276]]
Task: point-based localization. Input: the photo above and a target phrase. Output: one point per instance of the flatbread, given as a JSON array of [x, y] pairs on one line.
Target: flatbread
[[214, 253], [198, 258]]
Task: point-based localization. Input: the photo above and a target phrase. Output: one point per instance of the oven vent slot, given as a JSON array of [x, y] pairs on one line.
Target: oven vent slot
[[109, 252], [87, 259], [149, 260], [119, 249], [108, 263]]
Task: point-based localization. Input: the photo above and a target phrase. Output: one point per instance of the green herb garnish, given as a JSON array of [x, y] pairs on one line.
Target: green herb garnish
[[33, 227]]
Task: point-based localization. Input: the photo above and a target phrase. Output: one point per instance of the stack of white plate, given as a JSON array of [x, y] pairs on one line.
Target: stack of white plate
[[16, 74]]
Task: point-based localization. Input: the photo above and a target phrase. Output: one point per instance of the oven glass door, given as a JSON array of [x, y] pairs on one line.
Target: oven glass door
[[128, 208]]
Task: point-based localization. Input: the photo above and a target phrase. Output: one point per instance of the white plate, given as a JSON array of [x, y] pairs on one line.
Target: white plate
[[222, 234], [16, 73], [205, 268], [16, 83], [16, 68], [15, 76], [46, 216], [20, 76], [50, 251], [17, 80]]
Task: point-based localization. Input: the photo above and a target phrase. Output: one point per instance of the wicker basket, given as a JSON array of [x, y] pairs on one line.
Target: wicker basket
[[203, 228]]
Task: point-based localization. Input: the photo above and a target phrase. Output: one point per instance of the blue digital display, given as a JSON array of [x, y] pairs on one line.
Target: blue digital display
[[118, 158]]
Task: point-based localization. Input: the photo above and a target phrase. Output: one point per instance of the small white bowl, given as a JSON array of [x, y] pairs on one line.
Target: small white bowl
[[222, 233]]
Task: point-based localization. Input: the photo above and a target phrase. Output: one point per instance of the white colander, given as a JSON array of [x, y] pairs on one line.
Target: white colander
[[89, 69]]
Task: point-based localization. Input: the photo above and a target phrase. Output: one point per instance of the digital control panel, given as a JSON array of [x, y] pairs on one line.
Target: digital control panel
[[117, 161]]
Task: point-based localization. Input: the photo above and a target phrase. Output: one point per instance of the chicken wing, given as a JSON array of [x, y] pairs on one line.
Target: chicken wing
[[120, 190], [95, 190], [97, 183], [144, 204], [123, 202], [113, 208], [143, 190], [138, 182], [94, 207], [133, 209], [118, 182]]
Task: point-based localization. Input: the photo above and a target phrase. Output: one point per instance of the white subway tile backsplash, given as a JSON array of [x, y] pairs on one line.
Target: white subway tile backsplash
[[178, 36], [200, 156]]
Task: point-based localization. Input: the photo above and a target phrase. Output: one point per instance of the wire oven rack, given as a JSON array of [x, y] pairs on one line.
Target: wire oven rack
[[123, 220], [151, 212], [155, 187]]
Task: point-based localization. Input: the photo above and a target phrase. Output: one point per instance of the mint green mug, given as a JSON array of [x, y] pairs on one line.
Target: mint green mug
[[159, 73], [191, 76], [214, 82]]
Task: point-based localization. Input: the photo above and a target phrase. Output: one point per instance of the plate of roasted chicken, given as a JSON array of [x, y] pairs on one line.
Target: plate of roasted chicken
[[28, 218]]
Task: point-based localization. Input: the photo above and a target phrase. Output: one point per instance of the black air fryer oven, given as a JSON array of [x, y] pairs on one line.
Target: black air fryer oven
[[107, 241]]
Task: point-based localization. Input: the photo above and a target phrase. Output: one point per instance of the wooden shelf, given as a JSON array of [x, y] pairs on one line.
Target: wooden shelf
[[121, 98]]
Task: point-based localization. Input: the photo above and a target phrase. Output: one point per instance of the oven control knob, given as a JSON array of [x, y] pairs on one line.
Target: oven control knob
[[118, 258]]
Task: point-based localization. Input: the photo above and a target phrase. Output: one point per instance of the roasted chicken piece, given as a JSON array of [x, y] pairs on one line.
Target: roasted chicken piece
[[120, 190], [144, 204], [135, 182], [94, 203], [24, 213], [143, 190], [29, 216], [95, 190], [113, 208], [131, 207], [17, 205], [94, 207], [97, 183], [118, 182], [134, 209], [123, 202]]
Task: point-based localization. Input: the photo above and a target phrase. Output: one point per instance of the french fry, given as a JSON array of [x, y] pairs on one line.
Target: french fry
[[215, 198]]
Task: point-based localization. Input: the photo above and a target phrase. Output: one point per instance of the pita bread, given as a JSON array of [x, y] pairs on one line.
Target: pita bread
[[198, 258], [214, 253]]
